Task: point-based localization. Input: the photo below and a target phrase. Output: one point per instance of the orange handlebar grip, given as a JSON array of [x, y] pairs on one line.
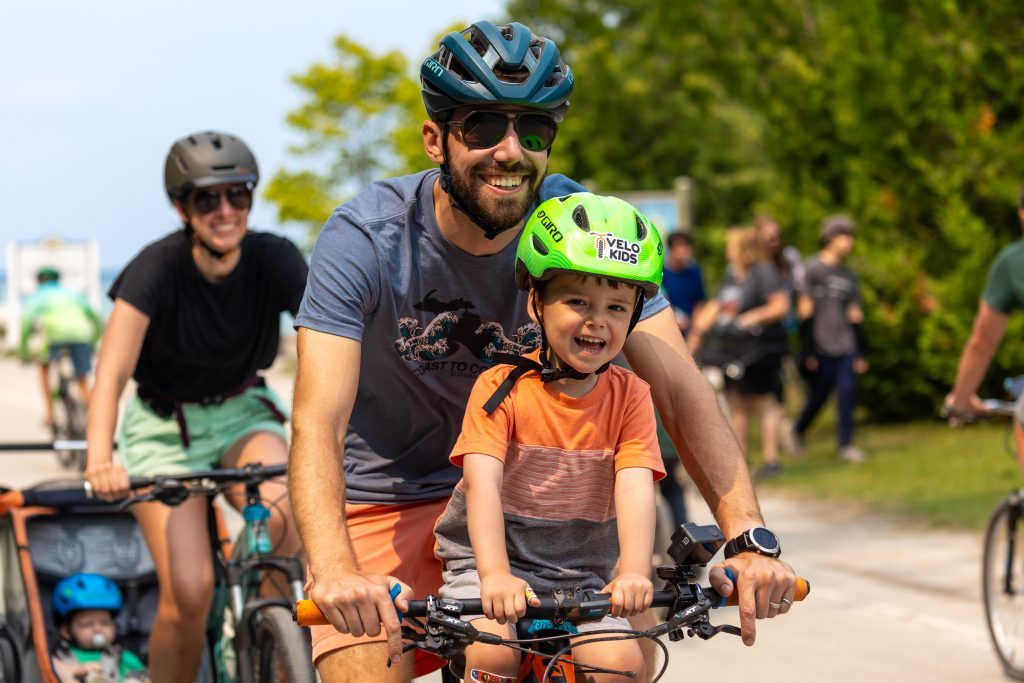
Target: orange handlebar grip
[[803, 588], [308, 614]]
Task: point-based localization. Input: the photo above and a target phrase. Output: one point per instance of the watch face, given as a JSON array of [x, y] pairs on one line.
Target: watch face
[[764, 538]]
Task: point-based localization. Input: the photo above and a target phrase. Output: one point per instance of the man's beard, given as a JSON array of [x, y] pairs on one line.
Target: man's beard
[[499, 213]]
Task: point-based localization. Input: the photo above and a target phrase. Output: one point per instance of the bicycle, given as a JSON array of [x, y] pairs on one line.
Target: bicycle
[[69, 415], [250, 639], [1002, 578], [547, 635]]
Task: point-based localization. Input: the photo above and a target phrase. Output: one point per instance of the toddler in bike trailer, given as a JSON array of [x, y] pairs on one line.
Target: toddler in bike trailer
[[559, 448], [84, 607]]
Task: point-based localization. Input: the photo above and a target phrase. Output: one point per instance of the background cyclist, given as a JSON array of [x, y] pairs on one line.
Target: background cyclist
[[196, 316], [66, 321], [1004, 294], [571, 423], [409, 296]]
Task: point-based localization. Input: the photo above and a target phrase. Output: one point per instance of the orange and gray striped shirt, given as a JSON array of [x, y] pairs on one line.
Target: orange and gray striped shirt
[[561, 455]]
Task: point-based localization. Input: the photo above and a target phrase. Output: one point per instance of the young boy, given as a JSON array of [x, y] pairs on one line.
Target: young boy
[[560, 450], [84, 606]]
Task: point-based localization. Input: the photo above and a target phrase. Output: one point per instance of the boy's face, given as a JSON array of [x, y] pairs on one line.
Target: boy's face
[[585, 318], [91, 628]]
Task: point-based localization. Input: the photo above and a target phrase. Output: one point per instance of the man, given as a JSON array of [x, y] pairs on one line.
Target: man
[[411, 292], [683, 282], [833, 346], [67, 323], [1003, 295]]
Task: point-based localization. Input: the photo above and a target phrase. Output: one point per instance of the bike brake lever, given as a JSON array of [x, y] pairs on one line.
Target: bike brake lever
[[132, 500], [705, 631]]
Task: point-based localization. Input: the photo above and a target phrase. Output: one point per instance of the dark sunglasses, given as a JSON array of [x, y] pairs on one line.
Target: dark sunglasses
[[207, 200], [485, 129]]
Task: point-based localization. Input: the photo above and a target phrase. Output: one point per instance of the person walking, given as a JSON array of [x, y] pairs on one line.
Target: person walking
[[832, 340], [746, 318], [682, 280]]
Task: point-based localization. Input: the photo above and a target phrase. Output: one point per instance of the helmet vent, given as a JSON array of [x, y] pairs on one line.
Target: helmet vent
[[540, 246], [225, 167], [579, 217], [641, 229]]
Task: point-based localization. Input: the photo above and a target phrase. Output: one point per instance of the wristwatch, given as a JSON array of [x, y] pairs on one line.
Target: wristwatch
[[757, 540]]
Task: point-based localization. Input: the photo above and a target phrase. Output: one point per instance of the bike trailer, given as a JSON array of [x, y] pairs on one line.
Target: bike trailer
[[50, 532]]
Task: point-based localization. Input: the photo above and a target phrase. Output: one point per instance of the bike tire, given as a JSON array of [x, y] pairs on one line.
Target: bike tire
[[281, 648], [1002, 583]]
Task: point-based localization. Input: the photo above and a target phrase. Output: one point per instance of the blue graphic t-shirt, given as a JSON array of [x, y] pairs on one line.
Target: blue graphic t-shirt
[[430, 317]]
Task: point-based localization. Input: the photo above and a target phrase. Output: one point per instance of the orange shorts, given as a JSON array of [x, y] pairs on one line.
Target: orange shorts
[[396, 540]]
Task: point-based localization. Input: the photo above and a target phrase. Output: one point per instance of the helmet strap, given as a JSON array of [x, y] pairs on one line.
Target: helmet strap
[[196, 239], [449, 187]]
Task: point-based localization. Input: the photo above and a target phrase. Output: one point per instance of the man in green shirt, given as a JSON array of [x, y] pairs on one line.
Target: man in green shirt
[[67, 323], [1004, 294]]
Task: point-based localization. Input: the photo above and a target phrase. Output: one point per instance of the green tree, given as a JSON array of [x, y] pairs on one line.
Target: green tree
[[360, 122], [906, 115]]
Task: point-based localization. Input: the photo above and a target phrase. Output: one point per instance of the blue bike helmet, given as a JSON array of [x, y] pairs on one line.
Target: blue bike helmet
[[487, 64], [85, 591]]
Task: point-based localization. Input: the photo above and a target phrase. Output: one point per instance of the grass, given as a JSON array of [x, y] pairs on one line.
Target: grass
[[927, 471]]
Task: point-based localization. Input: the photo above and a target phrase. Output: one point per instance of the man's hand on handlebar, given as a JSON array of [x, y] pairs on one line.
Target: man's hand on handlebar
[[961, 412], [766, 588], [361, 604]]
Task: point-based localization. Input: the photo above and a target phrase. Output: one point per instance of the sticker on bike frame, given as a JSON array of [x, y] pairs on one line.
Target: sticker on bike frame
[[478, 676]]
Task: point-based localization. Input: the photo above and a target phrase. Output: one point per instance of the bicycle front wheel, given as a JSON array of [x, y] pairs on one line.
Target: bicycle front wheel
[[1003, 585], [282, 651]]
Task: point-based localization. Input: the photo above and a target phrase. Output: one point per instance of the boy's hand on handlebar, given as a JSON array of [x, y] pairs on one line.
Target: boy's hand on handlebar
[[504, 596], [108, 480], [766, 588], [361, 604], [631, 594]]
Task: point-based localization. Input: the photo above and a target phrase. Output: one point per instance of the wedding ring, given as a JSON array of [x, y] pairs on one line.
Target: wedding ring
[[787, 601], [774, 605]]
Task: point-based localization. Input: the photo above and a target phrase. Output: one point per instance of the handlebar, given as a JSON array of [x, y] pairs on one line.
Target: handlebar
[[307, 613], [169, 488]]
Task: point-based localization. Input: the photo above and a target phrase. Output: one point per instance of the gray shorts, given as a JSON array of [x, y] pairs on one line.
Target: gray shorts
[[466, 586], [1019, 412]]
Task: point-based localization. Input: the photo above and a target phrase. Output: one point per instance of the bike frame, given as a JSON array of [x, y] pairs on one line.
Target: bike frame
[[240, 569]]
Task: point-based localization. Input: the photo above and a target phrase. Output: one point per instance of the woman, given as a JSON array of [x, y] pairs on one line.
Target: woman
[[749, 309], [196, 315]]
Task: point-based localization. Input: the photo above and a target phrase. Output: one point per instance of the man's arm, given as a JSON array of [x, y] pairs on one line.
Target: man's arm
[[325, 392], [709, 451], [986, 335], [691, 416]]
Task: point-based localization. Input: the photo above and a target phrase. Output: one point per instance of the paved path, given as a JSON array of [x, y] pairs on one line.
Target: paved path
[[890, 602]]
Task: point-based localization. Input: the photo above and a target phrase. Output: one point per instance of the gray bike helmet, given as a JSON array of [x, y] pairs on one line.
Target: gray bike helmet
[[487, 64], [205, 159]]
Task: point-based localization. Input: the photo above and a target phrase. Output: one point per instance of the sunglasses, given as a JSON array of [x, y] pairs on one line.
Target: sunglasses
[[485, 129], [207, 200]]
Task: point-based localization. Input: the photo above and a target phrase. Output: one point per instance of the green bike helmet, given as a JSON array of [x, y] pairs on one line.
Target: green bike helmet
[[586, 234], [593, 235], [487, 64]]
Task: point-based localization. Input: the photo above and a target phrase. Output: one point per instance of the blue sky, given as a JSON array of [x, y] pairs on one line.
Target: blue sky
[[93, 93]]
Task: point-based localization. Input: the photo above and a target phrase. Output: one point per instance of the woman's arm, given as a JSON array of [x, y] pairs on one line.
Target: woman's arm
[[118, 357], [772, 311]]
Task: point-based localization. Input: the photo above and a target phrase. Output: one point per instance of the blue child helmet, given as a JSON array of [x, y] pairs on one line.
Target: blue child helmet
[[85, 591]]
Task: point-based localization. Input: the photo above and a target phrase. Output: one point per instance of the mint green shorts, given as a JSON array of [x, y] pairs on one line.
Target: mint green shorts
[[151, 444]]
